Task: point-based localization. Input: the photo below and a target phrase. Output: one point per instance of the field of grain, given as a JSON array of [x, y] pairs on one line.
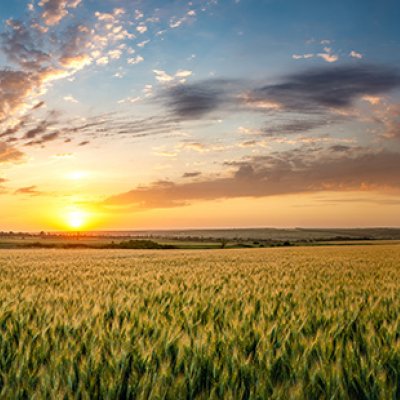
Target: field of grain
[[234, 324]]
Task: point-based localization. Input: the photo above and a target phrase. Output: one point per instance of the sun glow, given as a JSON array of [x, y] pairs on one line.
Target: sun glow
[[77, 175], [76, 219]]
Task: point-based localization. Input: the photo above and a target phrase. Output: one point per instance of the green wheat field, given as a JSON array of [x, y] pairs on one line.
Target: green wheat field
[[297, 323]]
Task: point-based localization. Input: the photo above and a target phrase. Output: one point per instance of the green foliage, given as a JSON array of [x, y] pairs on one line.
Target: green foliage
[[285, 323], [138, 244]]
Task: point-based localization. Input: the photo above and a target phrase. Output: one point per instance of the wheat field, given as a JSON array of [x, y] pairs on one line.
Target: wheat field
[[298, 323]]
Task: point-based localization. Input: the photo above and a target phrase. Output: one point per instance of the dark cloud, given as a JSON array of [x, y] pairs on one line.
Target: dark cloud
[[299, 125], [298, 171], [301, 102], [309, 91], [49, 137], [21, 45], [335, 87], [194, 101], [191, 174], [340, 148], [38, 105], [37, 130]]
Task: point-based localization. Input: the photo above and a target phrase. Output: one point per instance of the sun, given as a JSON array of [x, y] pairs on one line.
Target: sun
[[76, 219]]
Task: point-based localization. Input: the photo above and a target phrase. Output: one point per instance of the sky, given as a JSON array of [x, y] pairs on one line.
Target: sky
[[165, 114]]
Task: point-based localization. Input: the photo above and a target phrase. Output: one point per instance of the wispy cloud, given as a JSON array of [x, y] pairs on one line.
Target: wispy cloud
[[28, 191], [179, 76]]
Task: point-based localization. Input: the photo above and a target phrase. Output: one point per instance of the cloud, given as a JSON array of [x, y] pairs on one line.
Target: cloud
[[180, 76], [148, 90], [194, 146], [302, 56], [115, 54], [355, 54], [48, 137], [295, 126], [9, 153], [21, 45], [129, 100], [43, 57], [142, 44], [162, 76], [18, 88], [141, 29], [330, 58], [135, 60], [194, 101], [327, 55], [55, 10], [138, 14], [117, 125], [329, 87], [37, 130], [71, 99], [105, 16], [29, 190], [374, 100], [194, 174], [177, 22], [102, 60], [15, 88], [42, 50], [388, 116], [318, 96], [298, 171], [13, 129]]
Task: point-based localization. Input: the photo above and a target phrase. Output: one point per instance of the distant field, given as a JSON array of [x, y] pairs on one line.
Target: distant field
[[204, 239], [268, 234], [97, 242], [287, 323]]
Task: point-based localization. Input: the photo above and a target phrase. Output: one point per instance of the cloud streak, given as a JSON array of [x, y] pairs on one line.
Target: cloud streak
[[306, 170], [28, 191]]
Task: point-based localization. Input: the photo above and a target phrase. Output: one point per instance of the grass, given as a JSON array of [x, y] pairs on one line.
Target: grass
[[285, 323]]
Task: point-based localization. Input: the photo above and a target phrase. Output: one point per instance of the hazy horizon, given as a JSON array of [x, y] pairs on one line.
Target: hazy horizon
[[206, 229]]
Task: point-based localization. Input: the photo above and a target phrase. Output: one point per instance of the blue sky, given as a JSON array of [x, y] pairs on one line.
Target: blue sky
[[161, 107]]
